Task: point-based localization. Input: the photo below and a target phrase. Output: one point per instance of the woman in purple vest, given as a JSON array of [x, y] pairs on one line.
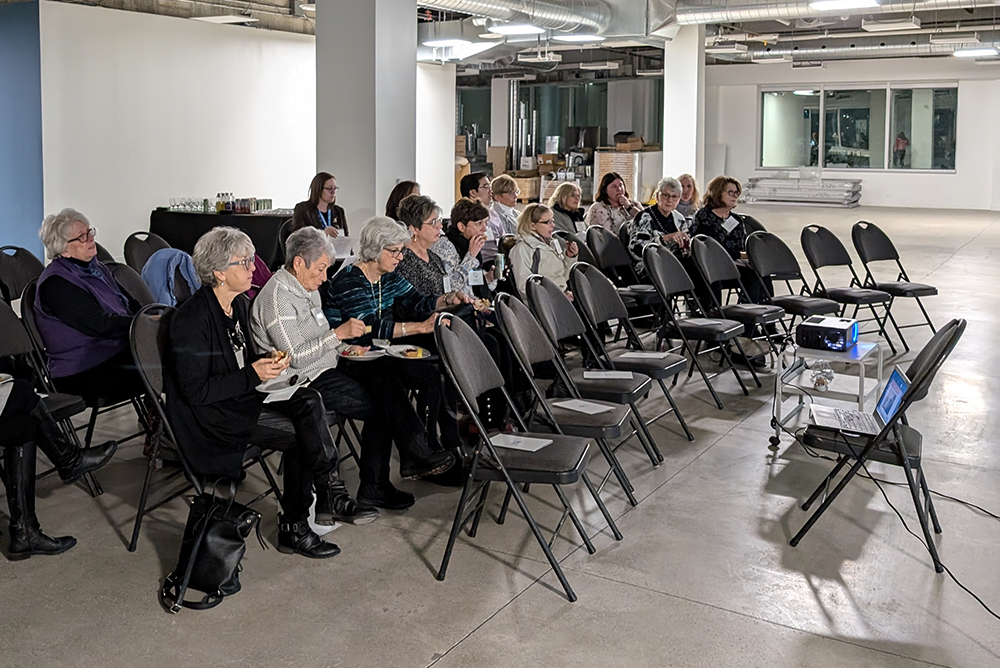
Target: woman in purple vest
[[83, 314]]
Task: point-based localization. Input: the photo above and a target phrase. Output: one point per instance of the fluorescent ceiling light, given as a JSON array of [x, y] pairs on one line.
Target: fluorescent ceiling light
[[515, 29], [890, 25], [767, 60], [578, 37], [807, 64], [520, 77], [975, 53], [308, 7], [823, 5], [225, 18], [443, 43], [489, 35], [955, 38], [609, 65], [649, 73], [539, 58], [987, 61], [804, 93], [726, 47]]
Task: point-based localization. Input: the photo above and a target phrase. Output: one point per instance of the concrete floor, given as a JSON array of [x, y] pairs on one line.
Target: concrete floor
[[703, 577]]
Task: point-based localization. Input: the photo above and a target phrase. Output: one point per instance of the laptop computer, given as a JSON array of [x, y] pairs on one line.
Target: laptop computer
[[865, 423]]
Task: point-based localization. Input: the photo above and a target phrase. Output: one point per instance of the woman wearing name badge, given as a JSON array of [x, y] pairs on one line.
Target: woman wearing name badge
[[321, 210]]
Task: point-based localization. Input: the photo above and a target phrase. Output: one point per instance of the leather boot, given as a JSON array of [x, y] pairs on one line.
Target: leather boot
[[298, 538], [71, 460], [26, 537], [334, 504]]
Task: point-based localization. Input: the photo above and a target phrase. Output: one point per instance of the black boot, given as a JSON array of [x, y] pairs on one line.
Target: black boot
[[71, 460], [385, 496], [26, 537], [334, 504], [298, 538]]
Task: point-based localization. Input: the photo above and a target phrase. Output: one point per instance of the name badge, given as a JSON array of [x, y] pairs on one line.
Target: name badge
[[446, 280], [476, 277], [729, 224], [319, 316]]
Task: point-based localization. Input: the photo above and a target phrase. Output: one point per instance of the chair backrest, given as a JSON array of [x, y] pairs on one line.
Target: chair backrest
[[712, 259], [666, 272], [583, 250], [625, 233], [148, 338], [553, 309], [132, 282], [872, 243], [28, 316], [14, 339], [771, 257], [466, 358], [18, 267], [607, 249], [823, 248], [751, 224], [523, 332], [934, 352], [284, 231], [182, 291], [595, 295], [103, 255], [139, 246]]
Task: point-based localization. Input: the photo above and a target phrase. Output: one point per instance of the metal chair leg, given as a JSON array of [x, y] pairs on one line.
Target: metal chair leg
[[600, 504], [575, 520]]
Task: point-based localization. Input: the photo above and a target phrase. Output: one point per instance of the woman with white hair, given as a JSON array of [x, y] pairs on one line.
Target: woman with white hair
[[660, 223], [83, 314], [214, 405], [287, 315]]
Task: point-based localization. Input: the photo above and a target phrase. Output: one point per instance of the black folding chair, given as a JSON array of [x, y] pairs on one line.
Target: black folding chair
[[672, 283], [140, 246], [284, 231], [873, 245], [560, 321], [561, 462], [717, 268], [897, 444], [531, 347], [583, 251], [18, 267], [773, 261], [823, 249], [612, 258], [132, 282], [598, 302], [103, 256], [751, 224]]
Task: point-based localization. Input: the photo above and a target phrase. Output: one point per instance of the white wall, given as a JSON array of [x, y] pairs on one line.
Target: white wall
[[973, 185], [138, 108], [436, 132], [684, 94]]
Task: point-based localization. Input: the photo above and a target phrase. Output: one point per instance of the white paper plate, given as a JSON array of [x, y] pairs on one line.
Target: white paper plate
[[397, 351], [367, 357]]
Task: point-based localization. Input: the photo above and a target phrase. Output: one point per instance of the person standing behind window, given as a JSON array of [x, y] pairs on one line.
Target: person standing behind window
[[321, 210]]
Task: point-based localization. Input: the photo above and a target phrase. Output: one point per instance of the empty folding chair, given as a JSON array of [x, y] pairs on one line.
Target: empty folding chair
[[773, 261], [751, 224], [672, 283], [139, 246], [873, 245], [597, 300], [823, 249], [18, 267], [562, 461], [716, 268], [613, 258]]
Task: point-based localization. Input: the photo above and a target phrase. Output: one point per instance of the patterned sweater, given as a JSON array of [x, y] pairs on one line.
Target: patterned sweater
[[649, 227]]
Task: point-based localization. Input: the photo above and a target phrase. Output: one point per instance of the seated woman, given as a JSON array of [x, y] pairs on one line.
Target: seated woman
[[660, 223], [422, 267], [213, 403], [536, 252], [461, 249], [566, 210], [321, 210], [503, 215], [402, 190], [287, 315], [375, 293], [613, 207], [83, 314], [26, 425], [690, 196]]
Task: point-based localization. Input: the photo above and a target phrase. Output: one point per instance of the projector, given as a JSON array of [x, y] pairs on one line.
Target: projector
[[827, 333]]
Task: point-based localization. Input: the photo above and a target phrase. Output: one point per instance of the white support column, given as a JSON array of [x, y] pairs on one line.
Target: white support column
[[366, 99], [499, 112], [684, 104], [435, 170], [921, 146]]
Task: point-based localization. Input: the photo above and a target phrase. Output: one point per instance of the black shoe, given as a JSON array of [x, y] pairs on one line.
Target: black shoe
[[334, 504], [298, 538], [90, 459], [436, 462], [70, 459], [387, 497], [26, 537], [30, 541], [453, 477]]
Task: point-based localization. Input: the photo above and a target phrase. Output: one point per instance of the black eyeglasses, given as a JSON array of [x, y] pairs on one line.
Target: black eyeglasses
[[246, 263], [395, 252], [85, 237]]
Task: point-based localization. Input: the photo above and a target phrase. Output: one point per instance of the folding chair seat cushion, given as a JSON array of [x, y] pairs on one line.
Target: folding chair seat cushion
[[558, 463], [640, 294], [667, 367], [64, 406], [907, 289], [833, 440], [601, 425], [612, 390], [804, 307], [705, 329], [857, 295], [751, 314]]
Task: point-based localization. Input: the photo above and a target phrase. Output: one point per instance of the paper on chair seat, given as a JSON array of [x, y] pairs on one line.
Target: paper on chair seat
[[580, 406], [644, 355], [607, 375], [516, 442]]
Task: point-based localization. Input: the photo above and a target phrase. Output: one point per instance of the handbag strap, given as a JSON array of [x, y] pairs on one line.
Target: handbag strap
[[183, 585]]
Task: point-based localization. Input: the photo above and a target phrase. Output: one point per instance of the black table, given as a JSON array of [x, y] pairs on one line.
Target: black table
[[182, 229]]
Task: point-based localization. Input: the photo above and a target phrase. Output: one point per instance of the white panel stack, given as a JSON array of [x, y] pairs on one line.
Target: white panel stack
[[815, 192]]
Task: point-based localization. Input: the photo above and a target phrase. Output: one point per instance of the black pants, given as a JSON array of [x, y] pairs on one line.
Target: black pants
[[17, 427], [116, 379]]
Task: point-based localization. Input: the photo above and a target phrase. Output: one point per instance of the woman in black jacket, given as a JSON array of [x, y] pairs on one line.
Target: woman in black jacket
[[321, 210], [213, 402]]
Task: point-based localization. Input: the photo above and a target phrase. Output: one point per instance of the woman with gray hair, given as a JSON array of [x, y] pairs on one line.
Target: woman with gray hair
[[660, 223], [83, 314], [214, 404]]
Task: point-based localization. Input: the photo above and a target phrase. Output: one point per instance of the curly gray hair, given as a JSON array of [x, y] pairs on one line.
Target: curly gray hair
[[309, 244], [669, 184], [214, 251], [55, 231], [377, 234]]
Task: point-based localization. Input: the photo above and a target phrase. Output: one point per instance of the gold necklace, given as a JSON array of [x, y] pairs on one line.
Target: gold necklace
[[378, 311]]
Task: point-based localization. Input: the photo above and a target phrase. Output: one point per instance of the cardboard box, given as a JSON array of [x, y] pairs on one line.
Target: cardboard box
[[460, 145], [528, 163], [460, 171], [632, 144], [498, 157], [529, 187]]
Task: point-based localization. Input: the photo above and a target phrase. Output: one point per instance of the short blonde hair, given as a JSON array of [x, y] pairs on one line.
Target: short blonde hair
[[55, 229], [531, 215], [503, 184], [562, 193], [695, 194]]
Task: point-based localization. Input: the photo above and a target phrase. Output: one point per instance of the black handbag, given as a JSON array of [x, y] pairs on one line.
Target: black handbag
[[213, 546]]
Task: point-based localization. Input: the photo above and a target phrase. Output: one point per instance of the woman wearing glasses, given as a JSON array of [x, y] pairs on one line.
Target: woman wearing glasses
[[83, 314], [660, 223], [716, 218], [321, 210]]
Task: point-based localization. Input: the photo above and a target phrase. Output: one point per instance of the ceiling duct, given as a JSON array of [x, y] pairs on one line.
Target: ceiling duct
[[567, 15], [692, 14], [897, 47]]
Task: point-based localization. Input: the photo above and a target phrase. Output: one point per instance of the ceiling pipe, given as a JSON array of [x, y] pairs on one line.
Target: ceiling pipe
[[591, 16], [691, 14], [862, 34], [899, 48]]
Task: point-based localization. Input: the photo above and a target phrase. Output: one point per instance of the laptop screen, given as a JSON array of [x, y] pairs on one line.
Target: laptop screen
[[892, 396]]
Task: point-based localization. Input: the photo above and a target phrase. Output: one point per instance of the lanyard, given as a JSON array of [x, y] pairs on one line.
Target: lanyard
[[329, 218]]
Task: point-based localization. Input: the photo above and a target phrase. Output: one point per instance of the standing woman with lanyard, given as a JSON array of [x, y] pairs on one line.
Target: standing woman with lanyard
[[321, 210]]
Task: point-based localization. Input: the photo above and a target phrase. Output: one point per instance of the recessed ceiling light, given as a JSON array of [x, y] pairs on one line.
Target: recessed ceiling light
[[978, 52], [443, 43], [578, 37], [225, 18], [804, 93], [515, 29], [823, 5]]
